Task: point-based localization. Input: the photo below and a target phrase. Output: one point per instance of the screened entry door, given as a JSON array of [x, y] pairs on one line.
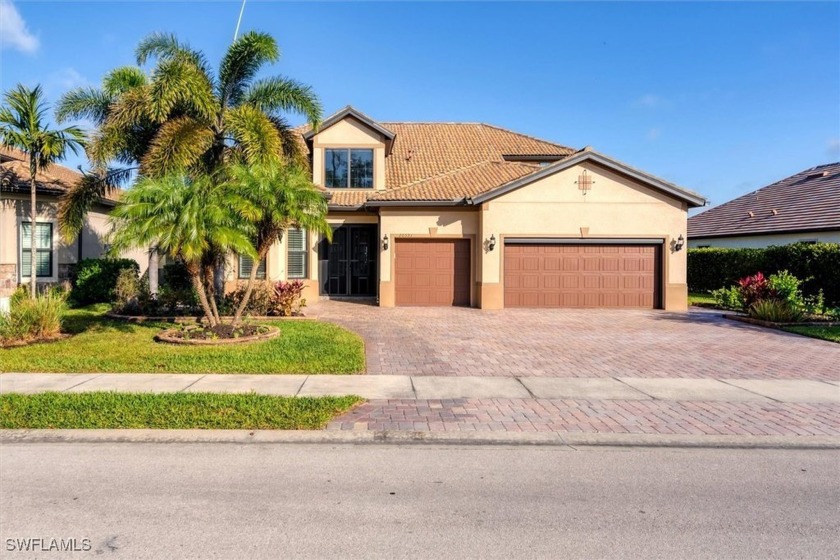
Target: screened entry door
[[347, 266]]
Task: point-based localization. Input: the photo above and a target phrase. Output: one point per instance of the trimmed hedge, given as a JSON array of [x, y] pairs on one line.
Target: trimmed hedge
[[96, 279], [816, 264]]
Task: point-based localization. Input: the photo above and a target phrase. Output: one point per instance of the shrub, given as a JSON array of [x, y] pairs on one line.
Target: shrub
[[287, 298], [32, 319], [261, 302], [97, 278], [755, 288], [775, 310], [127, 292], [786, 287], [729, 298], [816, 264]]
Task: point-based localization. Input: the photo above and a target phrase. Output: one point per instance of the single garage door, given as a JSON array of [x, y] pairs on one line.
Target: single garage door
[[561, 275], [432, 273]]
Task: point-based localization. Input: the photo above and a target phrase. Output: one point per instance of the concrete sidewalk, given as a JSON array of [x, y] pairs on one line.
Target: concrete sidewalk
[[435, 388]]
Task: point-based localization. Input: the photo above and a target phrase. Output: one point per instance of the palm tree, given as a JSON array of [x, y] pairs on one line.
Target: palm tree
[[185, 217], [284, 196], [23, 126]]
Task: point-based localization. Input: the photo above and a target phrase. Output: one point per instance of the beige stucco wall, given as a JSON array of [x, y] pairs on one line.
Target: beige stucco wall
[[615, 207], [761, 241], [349, 133], [14, 209]]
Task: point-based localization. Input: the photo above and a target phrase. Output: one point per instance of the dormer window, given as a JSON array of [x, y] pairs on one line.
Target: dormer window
[[348, 168]]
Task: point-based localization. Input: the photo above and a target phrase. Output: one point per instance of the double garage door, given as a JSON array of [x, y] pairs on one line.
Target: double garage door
[[561, 275], [437, 273]]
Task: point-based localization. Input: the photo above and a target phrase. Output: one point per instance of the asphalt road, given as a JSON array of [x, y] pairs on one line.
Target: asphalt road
[[320, 501]]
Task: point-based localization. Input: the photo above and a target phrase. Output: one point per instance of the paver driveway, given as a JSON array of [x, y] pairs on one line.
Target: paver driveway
[[577, 343]]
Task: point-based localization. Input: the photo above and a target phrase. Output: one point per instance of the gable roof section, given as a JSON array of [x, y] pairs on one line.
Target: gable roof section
[[14, 174], [690, 197], [806, 201], [349, 111]]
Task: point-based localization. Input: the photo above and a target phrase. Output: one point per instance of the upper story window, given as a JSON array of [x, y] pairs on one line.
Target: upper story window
[[348, 168]]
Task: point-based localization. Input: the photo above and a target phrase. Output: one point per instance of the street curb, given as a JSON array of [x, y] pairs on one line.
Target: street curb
[[408, 437]]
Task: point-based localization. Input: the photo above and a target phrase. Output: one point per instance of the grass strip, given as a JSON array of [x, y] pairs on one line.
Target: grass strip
[[107, 410], [832, 334]]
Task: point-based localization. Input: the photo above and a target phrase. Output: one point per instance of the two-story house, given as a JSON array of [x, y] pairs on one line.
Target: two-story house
[[441, 214]]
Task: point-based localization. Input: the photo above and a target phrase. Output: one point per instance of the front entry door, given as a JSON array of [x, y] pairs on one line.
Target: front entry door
[[348, 264]]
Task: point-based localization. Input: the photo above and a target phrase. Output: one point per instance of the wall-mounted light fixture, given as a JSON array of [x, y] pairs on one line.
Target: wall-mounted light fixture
[[385, 242], [679, 243], [491, 243]]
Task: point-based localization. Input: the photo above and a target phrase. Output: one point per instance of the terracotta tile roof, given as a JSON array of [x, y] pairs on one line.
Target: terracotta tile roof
[[14, 174], [448, 161], [466, 182], [809, 200]]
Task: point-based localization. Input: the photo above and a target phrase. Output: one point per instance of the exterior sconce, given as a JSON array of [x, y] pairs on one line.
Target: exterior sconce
[[491, 243], [679, 244], [385, 242]]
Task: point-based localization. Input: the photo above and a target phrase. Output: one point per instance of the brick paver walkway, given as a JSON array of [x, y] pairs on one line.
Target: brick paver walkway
[[577, 343], [583, 416]]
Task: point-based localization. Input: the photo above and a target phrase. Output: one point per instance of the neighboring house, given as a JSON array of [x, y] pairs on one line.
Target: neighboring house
[[803, 207], [443, 214], [55, 259]]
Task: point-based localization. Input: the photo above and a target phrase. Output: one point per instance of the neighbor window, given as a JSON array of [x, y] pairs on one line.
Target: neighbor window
[[297, 259], [348, 168], [43, 249], [246, 264]]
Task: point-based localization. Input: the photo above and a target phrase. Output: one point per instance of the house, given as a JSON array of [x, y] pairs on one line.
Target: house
[[803, 207], [442, 214], [55, 258]]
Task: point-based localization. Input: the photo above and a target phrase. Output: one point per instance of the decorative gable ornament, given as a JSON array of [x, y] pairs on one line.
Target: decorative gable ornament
[[584, 182]]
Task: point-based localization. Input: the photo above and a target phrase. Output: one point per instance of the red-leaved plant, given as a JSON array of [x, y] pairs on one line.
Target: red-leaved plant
[[287, 298], [755, 288]]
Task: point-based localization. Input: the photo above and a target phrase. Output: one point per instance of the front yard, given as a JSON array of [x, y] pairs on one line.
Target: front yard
[[825, 333], [101, 345]]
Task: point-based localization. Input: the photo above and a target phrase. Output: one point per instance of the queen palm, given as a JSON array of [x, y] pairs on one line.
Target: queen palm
[[283, 196], [23, 126], [185, 217]]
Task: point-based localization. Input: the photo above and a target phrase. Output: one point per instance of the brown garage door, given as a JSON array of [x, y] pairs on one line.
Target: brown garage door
[[549, 275], [432, 273]]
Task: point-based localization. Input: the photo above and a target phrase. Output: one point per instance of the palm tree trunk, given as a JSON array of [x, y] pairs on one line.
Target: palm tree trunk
[[195, 277], [33, 214], [249, 287], [210, 287]]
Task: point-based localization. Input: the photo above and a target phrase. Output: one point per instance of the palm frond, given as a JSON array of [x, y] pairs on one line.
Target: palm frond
[[166, 46], [255, 133], [284, 94], [241, 63], [83, 103], [179, 81], [120, 80], [178, 145], [74, 205]]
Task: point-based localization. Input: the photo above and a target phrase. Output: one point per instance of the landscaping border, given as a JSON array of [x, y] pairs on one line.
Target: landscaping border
[[779, 326], [196, 319], [166, 336]]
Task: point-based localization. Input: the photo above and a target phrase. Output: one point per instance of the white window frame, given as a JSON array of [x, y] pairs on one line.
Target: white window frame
[[263, 262], [23, 276], [305, 252]]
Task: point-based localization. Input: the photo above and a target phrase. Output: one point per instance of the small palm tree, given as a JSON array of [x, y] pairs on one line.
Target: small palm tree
[[23, 126], [284, 196], [184, 217]]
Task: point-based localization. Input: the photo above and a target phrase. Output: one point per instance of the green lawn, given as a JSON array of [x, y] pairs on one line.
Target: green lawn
[[700, 299], [100, 345], [169, 411], [826, 333]]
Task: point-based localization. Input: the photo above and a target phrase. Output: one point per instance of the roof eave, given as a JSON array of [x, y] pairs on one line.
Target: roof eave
[[349, 111], [416, 203]]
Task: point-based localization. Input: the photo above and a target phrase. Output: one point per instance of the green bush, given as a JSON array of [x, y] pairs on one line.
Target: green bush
[[775, 310], [32, 319], [96, 279], [729, 298], [786, 287], [816, 264]]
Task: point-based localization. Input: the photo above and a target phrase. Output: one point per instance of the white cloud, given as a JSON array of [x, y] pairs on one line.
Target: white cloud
[[833, 147], [68, 78], [13, 31], [651, 101]]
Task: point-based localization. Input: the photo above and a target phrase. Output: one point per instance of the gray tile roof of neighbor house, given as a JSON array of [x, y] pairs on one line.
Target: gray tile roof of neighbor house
[[807, 201]]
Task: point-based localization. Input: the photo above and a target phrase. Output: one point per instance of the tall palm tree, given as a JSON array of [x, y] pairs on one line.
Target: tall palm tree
[[284, 196], [184, 217], [23, 126]]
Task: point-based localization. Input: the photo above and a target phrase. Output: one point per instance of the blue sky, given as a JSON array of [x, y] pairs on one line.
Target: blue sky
[[720, 97]]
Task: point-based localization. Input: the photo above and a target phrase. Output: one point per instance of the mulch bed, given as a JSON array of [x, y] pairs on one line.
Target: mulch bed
[[771, 324], [220, 334], [194, 318]]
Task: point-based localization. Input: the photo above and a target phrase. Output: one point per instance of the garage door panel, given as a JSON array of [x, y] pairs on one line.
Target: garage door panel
[[432, 272], [562, 275]]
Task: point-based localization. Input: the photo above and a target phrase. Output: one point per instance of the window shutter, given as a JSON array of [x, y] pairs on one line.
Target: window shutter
[[246, 264], [296, 241]]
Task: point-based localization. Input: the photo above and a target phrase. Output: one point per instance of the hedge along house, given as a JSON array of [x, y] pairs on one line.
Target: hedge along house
[[55, 260], [804, 207], [441, 214]]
